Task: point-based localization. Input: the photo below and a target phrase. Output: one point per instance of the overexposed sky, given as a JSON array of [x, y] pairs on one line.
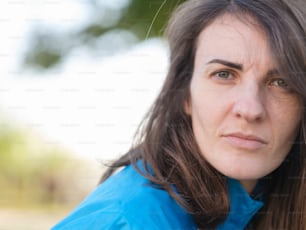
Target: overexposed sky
[[92, 106]]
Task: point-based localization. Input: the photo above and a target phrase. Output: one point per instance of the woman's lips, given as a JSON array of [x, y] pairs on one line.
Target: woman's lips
[[242, 141]]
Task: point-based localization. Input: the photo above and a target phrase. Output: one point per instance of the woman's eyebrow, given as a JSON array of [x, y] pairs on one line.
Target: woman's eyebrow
[[227, 63], [273, 72]]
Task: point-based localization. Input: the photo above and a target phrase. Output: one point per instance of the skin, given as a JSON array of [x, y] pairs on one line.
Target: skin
[[244, 115]]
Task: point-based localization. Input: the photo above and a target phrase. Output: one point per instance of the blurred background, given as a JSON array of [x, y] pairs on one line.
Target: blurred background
[[76, 78]]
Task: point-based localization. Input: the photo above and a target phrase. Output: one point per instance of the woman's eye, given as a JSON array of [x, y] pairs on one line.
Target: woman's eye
[[223, 74], [280, 83]]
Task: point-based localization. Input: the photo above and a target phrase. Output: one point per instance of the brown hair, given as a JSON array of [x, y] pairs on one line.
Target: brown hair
[[165, 139]]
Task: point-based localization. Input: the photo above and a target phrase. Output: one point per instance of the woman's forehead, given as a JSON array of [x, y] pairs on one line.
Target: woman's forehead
[[230, 39]]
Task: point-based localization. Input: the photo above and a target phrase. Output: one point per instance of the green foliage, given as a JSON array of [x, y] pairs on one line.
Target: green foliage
[[33, 173], [44, 58], [143, 18], [147, 18]]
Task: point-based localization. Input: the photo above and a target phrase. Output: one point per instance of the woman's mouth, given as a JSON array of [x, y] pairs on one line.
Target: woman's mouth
[[244, 141]]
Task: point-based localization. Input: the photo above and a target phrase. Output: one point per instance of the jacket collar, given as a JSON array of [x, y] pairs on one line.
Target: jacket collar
[[242, 207]]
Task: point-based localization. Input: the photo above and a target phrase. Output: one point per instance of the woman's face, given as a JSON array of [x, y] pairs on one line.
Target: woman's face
[[244, 116]]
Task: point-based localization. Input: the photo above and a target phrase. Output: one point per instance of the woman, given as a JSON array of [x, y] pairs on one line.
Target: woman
[[223, 146]]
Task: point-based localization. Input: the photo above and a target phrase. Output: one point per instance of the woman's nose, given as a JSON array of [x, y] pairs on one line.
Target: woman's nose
[[249, 103]]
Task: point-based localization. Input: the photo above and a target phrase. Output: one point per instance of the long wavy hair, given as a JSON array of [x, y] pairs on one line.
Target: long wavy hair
[[165, 139]]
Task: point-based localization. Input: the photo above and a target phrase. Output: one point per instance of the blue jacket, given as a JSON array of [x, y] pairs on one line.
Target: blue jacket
[[126, 201]]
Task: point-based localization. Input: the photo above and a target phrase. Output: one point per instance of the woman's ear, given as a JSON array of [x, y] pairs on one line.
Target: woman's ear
[[187, 107]]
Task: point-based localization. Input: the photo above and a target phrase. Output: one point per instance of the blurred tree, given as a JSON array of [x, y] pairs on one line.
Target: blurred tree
[[33, 173], [109, 29]]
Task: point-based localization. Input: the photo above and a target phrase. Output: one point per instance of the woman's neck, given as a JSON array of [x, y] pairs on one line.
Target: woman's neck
[[248, 185]]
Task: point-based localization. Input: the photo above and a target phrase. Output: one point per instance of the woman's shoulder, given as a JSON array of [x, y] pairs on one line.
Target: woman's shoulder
[[127, 200]]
